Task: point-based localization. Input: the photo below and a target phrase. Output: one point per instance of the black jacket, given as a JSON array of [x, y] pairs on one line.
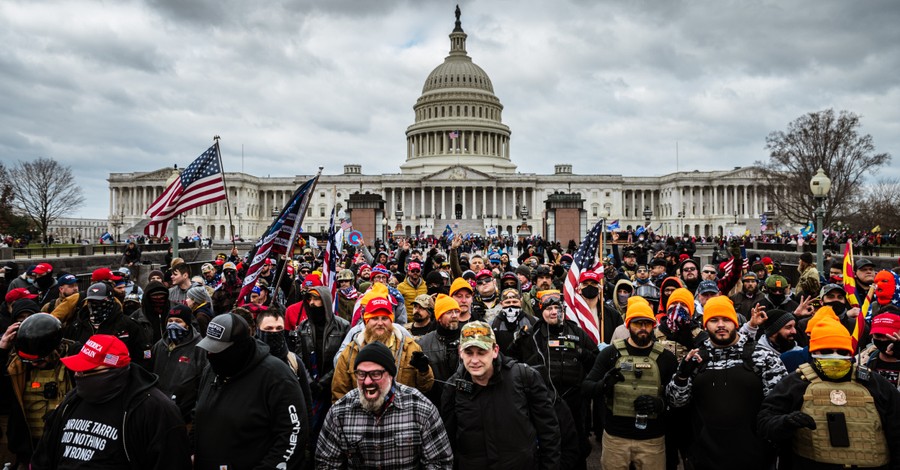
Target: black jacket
[[335, 330], [179, 371], [508, 424], [255, 419], [153, 433], [125, 328], [555, 364]]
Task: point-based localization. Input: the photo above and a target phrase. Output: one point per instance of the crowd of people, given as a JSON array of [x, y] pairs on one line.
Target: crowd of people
[[455, 353]]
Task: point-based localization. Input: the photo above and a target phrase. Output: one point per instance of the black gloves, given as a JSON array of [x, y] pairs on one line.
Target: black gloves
[[687, 368], [316, 388], [420, 361], [610, 379], [735, 249], [799, 419], [646, 404]]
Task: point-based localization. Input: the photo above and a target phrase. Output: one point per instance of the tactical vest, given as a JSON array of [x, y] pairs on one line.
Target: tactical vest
[[676, 348], [868, 446], [564, 368], [43, 393], [641, 378]]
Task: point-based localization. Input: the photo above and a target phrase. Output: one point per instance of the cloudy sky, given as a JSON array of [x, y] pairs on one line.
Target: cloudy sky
[[610, 87]]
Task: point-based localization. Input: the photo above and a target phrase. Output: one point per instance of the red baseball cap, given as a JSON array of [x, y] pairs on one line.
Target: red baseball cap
[[885, 324], [413, 267], [99, 350], [483, 273], [379, 304], [42, 268], [590, 276], [18, 294], [104, 274], [312, 280]]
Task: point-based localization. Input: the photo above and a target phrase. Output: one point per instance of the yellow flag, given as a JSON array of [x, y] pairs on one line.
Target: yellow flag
[[876, 229]]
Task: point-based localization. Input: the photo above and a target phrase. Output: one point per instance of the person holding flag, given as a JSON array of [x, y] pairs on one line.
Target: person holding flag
[[583, 309]]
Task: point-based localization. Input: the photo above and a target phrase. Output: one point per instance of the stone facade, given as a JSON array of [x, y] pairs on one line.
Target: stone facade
[[459, 172]]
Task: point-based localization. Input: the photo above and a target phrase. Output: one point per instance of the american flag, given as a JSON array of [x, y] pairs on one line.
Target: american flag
[[585, 260], [202, 182], [332, 257], [277, 239], [454, 135]]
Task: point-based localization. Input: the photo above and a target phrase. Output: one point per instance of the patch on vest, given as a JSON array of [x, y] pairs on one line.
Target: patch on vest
[[838, 397]]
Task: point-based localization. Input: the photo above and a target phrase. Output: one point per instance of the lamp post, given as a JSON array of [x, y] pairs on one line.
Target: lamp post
[[399, 227], [647, 214], [384, 228], [820, 184]]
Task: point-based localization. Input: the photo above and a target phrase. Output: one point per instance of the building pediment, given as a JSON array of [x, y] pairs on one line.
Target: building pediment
[[747, 172], [161, 174], [459, 173]]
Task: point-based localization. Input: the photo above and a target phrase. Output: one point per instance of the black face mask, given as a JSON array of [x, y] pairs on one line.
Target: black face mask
[[234, 359], [101, 311], [316, 314], [777, 299], [44, 282], [838, 307], [437, 289], [882, 345], [590, 292], [276, 341], [101, 388]]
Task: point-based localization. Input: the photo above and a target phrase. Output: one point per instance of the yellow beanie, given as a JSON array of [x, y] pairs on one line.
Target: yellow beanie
[[719, 306], [821, 314], [684, 296], [377, 290], [459, 284], [638, 308], [829, 334], [443, 304]]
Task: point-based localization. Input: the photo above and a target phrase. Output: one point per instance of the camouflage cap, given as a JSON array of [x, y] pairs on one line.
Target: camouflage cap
[[477, 334]]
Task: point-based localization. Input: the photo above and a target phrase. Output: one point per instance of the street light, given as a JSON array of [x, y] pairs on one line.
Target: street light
[[820, 184], [398, 215], [647, 214], [384, 226]]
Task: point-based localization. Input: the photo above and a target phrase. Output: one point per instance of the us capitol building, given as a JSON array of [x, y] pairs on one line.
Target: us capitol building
[[459, 172]]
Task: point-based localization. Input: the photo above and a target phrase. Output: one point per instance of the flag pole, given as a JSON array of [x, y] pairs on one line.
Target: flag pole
[[225, 185], [297, 222], [602, 255]]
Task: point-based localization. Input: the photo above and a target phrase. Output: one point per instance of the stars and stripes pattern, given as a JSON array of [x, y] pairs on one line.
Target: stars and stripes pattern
[[585, 259], [332, 258], [277, 239], [202, 182]]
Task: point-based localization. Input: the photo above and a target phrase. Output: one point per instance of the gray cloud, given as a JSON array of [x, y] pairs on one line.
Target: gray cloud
[[607, 86]]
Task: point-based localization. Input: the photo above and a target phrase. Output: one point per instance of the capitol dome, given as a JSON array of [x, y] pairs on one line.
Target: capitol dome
[[458, 119]]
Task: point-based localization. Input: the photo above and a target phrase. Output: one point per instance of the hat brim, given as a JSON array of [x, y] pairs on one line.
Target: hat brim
[[213, 345], [876, 330], [95, 297], [487, 346], [78, 363]]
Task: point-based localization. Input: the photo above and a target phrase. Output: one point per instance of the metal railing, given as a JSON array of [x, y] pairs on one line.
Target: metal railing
[[111, 249]]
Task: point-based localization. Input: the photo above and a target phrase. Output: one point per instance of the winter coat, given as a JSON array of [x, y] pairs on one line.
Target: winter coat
[[179, 369], [410, 292], [335, 329]]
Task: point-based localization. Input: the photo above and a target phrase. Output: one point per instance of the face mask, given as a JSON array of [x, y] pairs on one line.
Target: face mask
[[316, 314], [640, 239], [777, 299], [590, 292], [838, 307], [833, 366], [100, 312], [623, 298], [101, 388], [511, 314], [30, 280], [275, 340], [44, 282], [347, 291], [883, 344], [677, 316], [176, 333], [526, 286], [234, 359]]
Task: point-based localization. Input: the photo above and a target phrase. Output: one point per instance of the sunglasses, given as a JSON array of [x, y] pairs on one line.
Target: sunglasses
[[709, 272], [688, 270], [484, 281]]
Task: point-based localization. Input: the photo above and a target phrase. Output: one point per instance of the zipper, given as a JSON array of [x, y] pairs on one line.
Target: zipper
[[124, 444]]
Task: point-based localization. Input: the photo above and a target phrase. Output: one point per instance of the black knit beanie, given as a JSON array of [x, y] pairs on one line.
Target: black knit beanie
[[378, 353], [776, 321]]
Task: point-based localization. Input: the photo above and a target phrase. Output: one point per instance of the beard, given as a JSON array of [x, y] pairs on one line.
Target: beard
[[373, 404], [784, 344], [375, 335], [640, 338], [419, 317], [723, 342]]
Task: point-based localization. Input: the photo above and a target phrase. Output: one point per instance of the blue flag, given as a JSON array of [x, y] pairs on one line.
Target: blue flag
[[810, 228], [639, 230], [614, 225]]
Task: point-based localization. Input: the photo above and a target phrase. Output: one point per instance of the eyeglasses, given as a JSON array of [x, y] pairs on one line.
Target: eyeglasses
[[687, 270], [709, 272], [372, 374], [484, 281]]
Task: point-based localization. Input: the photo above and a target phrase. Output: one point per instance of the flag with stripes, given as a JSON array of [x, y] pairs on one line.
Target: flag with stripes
[[849, 273], [613, 226], [276, 240], [330, 265], [202, 182], [585, 259]]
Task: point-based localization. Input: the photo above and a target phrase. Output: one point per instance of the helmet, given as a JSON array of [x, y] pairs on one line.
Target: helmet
[[345, 275], [125, 273], [133, 297], [38, 336]]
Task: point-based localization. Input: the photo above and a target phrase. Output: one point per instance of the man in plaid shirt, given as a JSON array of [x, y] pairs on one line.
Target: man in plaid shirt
[[381, 423]]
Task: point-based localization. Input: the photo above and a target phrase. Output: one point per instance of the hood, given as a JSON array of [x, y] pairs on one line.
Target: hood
[[663, 299], [615, 297], [327, 301], [140, 380]]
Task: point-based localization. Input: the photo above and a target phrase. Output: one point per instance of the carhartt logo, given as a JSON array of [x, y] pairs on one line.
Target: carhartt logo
[[215, 331]]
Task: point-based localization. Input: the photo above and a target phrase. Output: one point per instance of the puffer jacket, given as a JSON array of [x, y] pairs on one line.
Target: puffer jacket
[[508, 424], [403, 348], [410, 292], [334, 332]]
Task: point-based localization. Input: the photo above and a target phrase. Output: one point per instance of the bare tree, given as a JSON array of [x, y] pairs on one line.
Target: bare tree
[[878, 206], [45, 190], [816, 140]]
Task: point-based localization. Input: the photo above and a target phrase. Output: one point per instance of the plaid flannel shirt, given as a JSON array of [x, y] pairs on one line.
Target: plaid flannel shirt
[[409, 434]]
